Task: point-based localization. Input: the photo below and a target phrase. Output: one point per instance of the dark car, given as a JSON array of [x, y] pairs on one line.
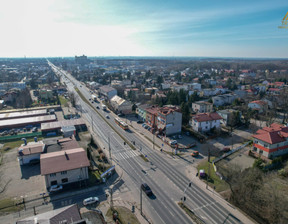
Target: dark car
[[146, 189], [140, 122], [120, 115]]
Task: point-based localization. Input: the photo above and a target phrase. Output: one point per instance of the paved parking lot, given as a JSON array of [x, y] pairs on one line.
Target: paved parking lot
[[21, 181]]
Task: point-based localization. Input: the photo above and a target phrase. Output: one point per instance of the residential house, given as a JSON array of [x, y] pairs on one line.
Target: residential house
[[6, 86], [202, 107], [107, 92], [29, 152], [194, 86], [206, 121], [259, 105], [64, 167], [151, 116], [209, 92], [165, 85], [66, 215], [273, 91], [224, 99], [121, 105], [141, 111], [230, 117], [169, 120], [271, 141]]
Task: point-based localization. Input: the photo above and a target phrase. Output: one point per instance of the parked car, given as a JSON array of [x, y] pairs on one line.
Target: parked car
[[91, 200], [140, 122], [146, 189], [35, 129], [143, 125], [146, 126], [195, 153], [55, 188], [179, 136], [225, 149], [120, 115], [187, 133]]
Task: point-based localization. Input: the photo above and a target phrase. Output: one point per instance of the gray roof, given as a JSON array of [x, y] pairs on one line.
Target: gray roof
[[22, 114], [59, 124], [106, 88], [69, 213], [26, 120]]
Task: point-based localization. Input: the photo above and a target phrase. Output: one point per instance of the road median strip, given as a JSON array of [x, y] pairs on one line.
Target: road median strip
[[121, 136], [190, 213]]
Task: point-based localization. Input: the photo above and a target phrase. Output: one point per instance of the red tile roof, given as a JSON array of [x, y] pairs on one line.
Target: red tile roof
[[207, 117], [274, 134], [260, 102], [55, 162]]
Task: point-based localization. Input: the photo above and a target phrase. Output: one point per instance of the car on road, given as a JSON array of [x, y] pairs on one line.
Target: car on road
[[91, 200], [55, 188], [146, 189], [195, 153], [107, 116], [140, 122], [98, 107]]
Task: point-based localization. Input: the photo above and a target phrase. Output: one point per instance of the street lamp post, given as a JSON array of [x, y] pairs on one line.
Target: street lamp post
[[141, 200]]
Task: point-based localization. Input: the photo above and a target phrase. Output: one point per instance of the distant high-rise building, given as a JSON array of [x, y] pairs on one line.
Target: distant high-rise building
[[81, 60]]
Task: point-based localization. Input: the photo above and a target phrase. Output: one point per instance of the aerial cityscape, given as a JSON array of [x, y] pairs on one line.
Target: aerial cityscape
[[143, 112]]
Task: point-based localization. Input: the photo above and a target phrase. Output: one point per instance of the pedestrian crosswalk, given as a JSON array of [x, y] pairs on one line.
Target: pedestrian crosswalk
[[125, 154]]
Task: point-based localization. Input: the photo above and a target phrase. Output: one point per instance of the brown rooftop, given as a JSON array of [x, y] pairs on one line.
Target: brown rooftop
[[55, 162], [31, 149]]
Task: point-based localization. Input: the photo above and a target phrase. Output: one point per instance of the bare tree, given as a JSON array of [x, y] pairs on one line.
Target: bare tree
[[73, 98]]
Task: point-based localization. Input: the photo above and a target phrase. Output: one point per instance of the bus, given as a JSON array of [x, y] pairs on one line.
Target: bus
[[121, 123]]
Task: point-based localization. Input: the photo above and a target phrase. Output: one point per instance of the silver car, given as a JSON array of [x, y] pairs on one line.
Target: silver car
[[90, 200]]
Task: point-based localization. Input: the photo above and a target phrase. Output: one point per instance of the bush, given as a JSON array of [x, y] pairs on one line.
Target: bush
[[283, 172]]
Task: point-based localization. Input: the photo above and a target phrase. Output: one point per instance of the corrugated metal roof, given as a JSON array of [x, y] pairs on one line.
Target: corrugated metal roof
[[59, 124], [26, 120], [22, 114]]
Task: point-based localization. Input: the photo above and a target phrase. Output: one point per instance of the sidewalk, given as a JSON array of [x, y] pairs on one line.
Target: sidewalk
[[104, 207]]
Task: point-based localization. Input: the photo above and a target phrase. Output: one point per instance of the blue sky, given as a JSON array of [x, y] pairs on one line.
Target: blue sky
[[45, 28]]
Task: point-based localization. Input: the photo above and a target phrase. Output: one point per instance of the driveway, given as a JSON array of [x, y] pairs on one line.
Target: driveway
[[21, 180]]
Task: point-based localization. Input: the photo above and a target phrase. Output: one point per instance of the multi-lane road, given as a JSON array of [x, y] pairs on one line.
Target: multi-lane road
[[166, 182]]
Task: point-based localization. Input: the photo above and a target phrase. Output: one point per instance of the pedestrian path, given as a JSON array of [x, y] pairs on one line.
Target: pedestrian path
[[125, 154]]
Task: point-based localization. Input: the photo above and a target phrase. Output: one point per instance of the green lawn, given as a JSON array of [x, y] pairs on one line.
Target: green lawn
[[8, 205], [213, 179], [63, 101], [125, 215]]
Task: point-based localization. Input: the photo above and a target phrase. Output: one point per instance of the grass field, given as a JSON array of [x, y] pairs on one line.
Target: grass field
[[125, 215], [63, 101], [213, 179], [8, 205]]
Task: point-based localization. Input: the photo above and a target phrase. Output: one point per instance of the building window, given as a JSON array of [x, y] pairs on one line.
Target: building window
[[54, 182], [261, 151], [265, 145], [255, 141], [64, 180], [52, 174], [63, 172]]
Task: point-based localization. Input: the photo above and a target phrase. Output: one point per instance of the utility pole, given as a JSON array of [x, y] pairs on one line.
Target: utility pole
[[208, 176], [153, 139], [111, 198], [110, 150], [141, 200]]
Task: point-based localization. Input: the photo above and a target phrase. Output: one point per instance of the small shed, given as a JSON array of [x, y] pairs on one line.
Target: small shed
[[68, 131]]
